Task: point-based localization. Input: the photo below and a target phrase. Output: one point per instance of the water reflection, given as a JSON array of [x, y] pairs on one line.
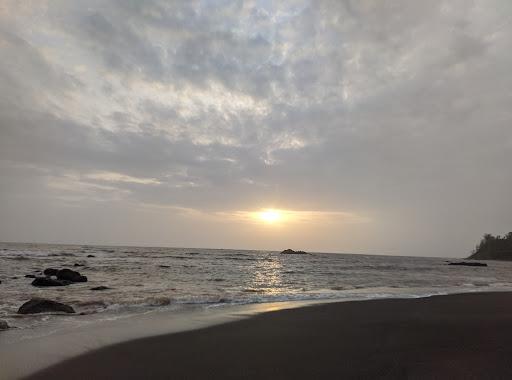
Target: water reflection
[[266, 276]]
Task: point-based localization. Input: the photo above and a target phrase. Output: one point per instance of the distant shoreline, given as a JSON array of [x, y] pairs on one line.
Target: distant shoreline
[[451, 336]]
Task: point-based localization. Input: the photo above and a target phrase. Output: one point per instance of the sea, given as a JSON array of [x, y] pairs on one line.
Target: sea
[[153, 291], [143, 279]]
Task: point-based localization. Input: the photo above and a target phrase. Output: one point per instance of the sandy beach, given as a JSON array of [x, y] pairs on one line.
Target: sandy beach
[[466, 336]]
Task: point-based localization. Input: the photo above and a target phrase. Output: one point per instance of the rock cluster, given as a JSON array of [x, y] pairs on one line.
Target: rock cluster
[[48, 281], [63, 277]]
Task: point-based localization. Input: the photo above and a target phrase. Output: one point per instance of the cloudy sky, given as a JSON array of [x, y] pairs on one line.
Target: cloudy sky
[[377, 127]]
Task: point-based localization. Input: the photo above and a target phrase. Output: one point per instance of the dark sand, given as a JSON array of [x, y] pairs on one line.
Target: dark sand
[[465, 336]]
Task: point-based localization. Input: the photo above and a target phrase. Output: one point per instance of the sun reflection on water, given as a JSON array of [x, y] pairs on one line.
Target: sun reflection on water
[[266, 276]]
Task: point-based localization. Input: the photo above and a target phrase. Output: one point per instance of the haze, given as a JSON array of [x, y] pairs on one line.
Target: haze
[[375, 127]]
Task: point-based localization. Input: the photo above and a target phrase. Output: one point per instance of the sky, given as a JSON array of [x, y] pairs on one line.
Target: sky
[[378, 127]]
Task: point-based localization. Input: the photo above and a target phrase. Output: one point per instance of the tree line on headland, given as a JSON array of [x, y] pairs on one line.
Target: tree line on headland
[[494, 248]]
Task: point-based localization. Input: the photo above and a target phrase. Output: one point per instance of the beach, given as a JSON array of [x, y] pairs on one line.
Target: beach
[[462, 336], [260, 189]]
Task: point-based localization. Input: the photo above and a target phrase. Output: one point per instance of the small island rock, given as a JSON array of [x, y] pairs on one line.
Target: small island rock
[[468, 264], [3, 325], [292, 252]]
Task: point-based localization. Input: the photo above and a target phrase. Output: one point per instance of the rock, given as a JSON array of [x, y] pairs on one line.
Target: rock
[[47, 281], [30, 276], [50, 272], [3, 325], [100, 288], [78, 265], [468, 264], [70, 275], [292, 252], [40, 305], [91, 256], [164, 266], [14, 278]]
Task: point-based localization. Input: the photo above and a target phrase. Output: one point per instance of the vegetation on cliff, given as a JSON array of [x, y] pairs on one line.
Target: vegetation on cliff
[[494, 248]]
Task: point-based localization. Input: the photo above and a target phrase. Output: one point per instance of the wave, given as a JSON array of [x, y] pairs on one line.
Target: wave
[[17, 258], [61, 254]]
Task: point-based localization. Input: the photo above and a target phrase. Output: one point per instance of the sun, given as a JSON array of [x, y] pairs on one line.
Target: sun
[[270, 215]]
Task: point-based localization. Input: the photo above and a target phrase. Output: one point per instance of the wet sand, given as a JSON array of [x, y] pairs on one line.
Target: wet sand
[[466, 336]]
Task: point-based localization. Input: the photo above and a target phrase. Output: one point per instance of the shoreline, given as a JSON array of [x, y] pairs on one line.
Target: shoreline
[[459, 335], [80, 334], [51, 344]]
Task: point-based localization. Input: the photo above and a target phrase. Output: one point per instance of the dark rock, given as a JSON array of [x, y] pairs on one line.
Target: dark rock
[[14, 278], [3, 325], [78, 265], [91, 256], [164, 266], [70, 275], [50, 272], [100, 288], [47, 281], [292, 252], [469, 264], [39, 305], [30, 276]]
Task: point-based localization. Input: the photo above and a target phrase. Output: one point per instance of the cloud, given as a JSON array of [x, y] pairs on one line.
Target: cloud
[[395, 110]]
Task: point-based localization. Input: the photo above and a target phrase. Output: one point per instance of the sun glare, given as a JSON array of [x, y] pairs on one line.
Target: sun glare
[[269, 216]]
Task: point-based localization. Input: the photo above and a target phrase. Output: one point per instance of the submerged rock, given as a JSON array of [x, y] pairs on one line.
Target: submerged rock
[[70, 275], [40, 305], [292, 252], [78, 265], [3, 325], [30, 276], [47, 281], [50, 272], [469, 264], [91, 256], [100, 288]]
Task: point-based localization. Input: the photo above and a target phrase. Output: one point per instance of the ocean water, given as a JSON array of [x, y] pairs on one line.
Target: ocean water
[[147, 279]]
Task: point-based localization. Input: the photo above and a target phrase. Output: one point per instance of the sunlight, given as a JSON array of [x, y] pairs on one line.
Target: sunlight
[[270, 215]]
